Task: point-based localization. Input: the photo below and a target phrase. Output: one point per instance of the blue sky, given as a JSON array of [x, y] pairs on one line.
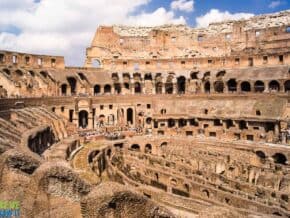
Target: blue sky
[[66, 27], [233, 6]]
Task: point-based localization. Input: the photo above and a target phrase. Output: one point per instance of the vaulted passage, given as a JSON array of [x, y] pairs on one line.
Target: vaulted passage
[[274, 86], [287, 86], [130, 116], [72, 82], [63, 89], [168, 88], [158, 88], [138, 87], [245, 87], [107, 89], [259, 86], [181, 85], [232, 85], [97, 89], [83, 119]]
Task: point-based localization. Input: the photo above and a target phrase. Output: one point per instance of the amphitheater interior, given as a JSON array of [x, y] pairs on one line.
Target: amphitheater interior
[[167, 121]]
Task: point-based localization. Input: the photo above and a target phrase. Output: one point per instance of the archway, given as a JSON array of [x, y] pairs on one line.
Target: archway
[[279, 158], [287, 86], [97, 89], [96, 63], [130, 116], [207, 87], [148, 148], [168, 88], [219, 86], [181, 122], [181, 85], [274, 86], [232, 85], [137, 87], [72, 82], [171, 123], [148, 76], [245, 86], [259, 86], [83, 119], [107, 88], [117, 87], [158, 88], [63, 89], [135, 147]]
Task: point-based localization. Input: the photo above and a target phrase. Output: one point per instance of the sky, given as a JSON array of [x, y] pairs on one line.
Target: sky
[[67, 27]]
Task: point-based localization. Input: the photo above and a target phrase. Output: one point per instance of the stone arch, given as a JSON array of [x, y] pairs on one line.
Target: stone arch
[[194, 75], [171, 123], [96, 63], [148, 148], [63, 88], [20, 73], [148, 76], [137, 87], [259, 86], [219, 86], [72, 83], [182, 122], [274, 85], [83, 119], [130, 115], [163, 144], [173, 182], [287, 86], [261, 154], [205, 193], [127, 85], [245, 86], [279, 158], [6, 71], [169, 88], [92, 155], [148, 120], [158, 88], [107, 88], [135, 147], [31, 73], [181, 85], [232, 85], [97, 89], [117, 87], [207, 87]]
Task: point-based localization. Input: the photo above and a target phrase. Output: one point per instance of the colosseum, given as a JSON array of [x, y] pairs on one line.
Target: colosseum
[[167, 121]]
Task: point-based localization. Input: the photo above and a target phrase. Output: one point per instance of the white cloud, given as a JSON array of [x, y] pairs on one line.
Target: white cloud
[[275, 4], [214, 15], [66, 27], [182, 5], [158, 17]]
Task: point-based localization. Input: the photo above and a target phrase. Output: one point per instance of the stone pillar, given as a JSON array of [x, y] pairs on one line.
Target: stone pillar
[[174, 88], [153, 87]]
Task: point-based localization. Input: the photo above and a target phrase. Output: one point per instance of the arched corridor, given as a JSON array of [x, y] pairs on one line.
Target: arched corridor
[[83, 119]]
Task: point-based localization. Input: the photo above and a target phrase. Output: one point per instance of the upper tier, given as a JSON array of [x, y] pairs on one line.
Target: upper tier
[[265, 34]]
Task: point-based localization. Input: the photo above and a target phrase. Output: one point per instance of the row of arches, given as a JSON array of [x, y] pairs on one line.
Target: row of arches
[[245, 86], [83, 117], [278, 158], [180, 88]]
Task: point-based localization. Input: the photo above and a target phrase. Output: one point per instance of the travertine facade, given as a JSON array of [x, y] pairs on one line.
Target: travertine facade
[[195, 119]]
